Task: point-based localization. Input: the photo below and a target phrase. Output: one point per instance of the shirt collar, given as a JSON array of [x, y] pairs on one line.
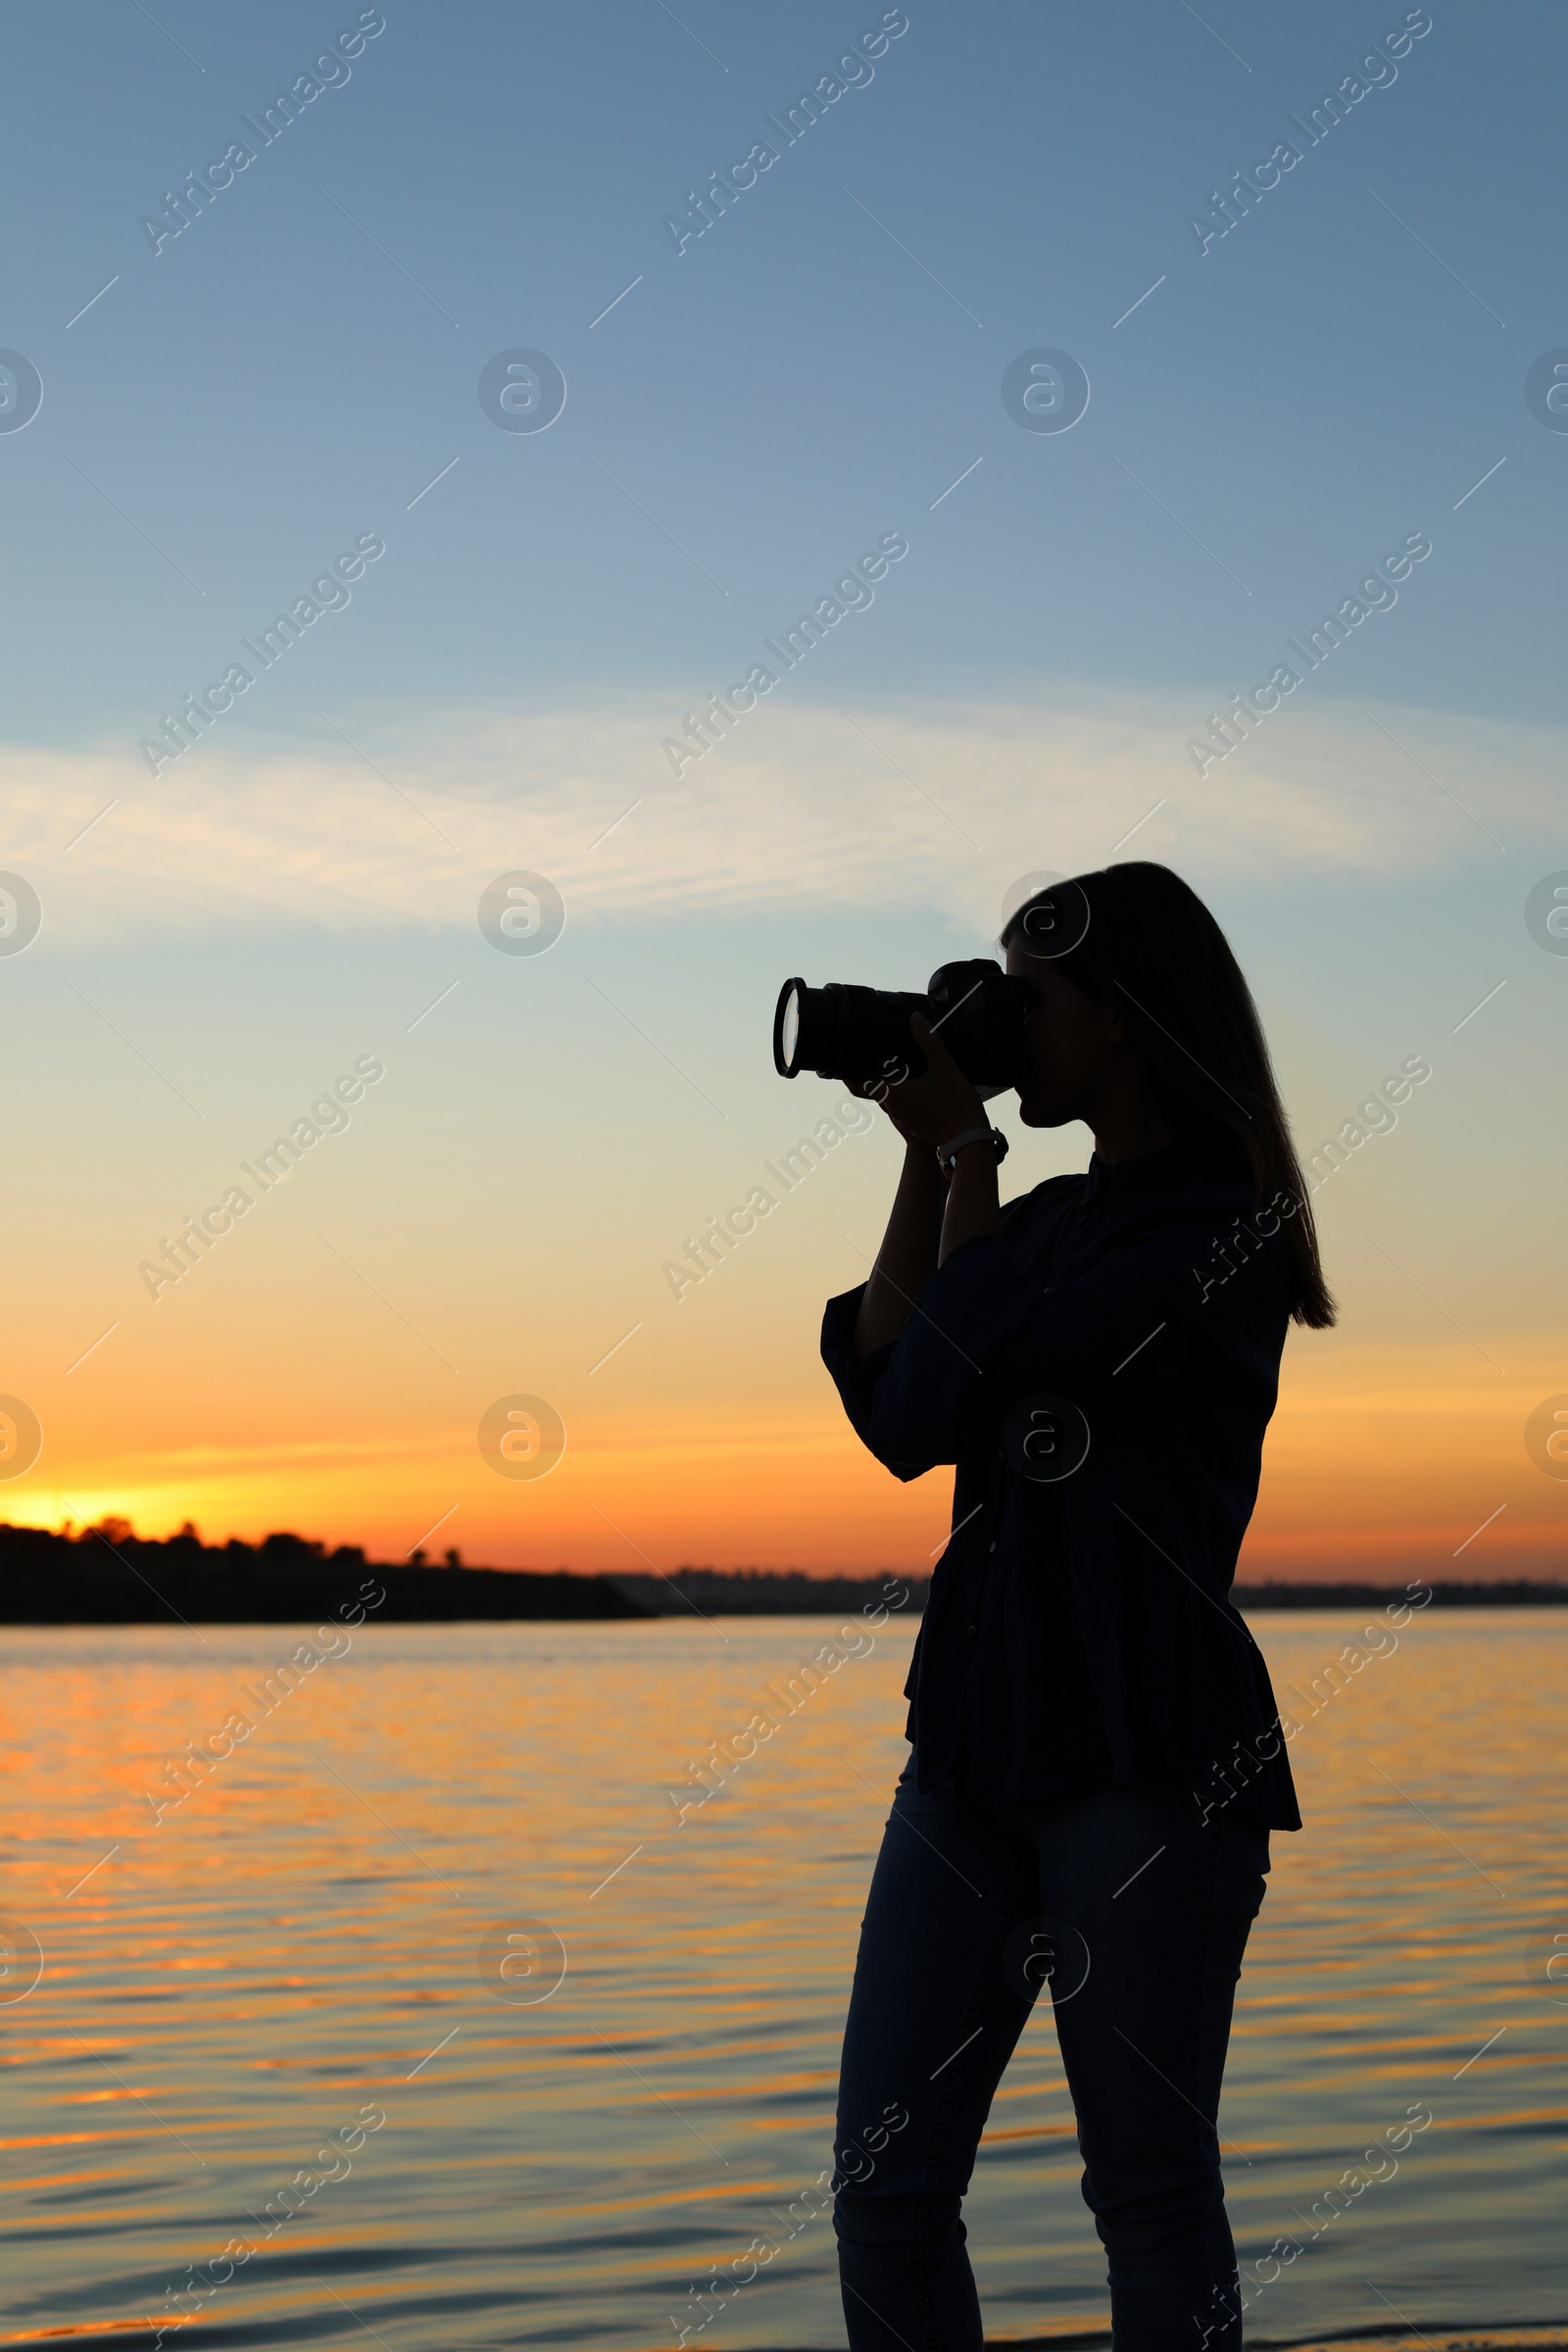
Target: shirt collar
[[1133, 1179]]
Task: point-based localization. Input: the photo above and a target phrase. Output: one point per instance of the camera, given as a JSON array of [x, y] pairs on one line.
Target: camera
[[860, 1036]]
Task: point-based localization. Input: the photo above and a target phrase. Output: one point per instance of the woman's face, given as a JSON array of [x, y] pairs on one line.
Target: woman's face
[[1074, 1044]]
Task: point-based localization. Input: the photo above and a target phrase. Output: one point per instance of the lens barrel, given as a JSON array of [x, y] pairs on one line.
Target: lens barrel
[[860, 1036]]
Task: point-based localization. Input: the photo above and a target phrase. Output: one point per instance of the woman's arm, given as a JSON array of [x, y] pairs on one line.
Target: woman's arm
[[973, 1204], [908, 1251], [922, 1232]]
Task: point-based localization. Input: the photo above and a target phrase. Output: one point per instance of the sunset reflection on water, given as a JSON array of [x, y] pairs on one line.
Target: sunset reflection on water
[[231, 1991]]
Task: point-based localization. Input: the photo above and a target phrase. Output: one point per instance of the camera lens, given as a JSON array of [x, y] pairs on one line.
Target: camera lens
[[860, 1036], [787, 1028]]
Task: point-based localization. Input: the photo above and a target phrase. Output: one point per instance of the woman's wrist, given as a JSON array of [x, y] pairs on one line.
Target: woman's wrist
[[973, 1205], [968, 1139], [921, 1166], [908, 1252]]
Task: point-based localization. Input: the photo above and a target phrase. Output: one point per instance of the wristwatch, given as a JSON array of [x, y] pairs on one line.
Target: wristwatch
[[948, 1153]]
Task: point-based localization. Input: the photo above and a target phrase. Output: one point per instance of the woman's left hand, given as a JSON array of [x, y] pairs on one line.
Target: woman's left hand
[[940, 1106]]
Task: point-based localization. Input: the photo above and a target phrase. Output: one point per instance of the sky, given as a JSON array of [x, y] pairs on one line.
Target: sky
[[286, 394]]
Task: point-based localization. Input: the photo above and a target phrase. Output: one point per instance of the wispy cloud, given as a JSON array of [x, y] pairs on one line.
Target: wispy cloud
[[799, 809]]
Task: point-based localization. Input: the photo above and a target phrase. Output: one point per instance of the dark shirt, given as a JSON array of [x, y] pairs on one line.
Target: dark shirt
[[1079, 1633]]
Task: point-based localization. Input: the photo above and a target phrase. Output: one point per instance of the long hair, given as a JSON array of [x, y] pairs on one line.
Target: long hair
[[1153, 950]]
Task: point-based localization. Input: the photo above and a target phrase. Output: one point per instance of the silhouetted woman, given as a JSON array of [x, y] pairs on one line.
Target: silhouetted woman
[[1096, 1758]]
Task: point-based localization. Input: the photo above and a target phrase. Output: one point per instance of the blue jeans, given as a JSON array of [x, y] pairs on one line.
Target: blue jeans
[[1137, 1914]]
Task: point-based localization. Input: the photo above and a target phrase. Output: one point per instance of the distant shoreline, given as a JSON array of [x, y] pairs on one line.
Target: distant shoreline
[[109, 1576]]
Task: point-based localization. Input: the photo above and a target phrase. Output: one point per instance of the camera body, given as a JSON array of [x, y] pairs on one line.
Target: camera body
[[860, 1036]]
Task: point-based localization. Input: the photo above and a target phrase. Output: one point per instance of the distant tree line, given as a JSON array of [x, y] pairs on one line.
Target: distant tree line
[[108, 1575]]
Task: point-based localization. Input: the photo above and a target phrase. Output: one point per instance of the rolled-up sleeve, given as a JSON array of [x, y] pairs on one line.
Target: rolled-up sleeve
[[984, 1335], [907, 1401], [855, 1377]]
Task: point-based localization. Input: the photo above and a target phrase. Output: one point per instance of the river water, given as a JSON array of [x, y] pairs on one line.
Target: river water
[[237, 1985]]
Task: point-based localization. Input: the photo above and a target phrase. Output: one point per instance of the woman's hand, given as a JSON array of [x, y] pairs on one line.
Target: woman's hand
[[931, 1214], [930, 1111], [943, 1103]]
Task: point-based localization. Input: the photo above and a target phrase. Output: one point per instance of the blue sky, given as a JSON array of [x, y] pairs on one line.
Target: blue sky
[[299, 370], [792, 384]]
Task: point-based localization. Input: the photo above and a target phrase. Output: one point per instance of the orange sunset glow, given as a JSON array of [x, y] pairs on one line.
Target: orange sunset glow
[[726, 726], [1379, 1464]]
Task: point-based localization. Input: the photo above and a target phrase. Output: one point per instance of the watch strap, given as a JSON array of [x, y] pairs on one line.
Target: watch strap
[[948, 1153]]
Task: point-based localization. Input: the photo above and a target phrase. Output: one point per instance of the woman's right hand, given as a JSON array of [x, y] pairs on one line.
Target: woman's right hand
[[940, 1104]]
